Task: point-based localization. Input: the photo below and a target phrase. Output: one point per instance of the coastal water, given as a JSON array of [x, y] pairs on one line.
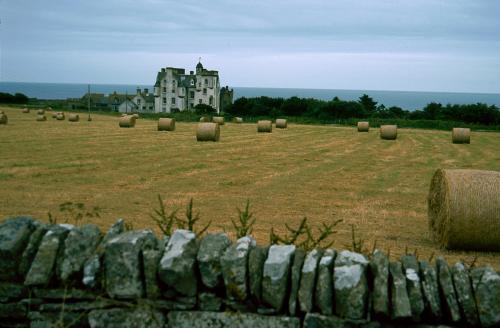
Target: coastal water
[[406, 99]]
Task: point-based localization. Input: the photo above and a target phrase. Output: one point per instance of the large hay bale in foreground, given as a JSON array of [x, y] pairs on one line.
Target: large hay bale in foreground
[[463, 208], [127, 121], [73, 117], [218, 119], [264, 126], [41, 118], [26, 110], [166, 124], [237, 120], [208, 132], [205, 119], [363, 126], [60, 116], [281, 123], [40, 112], [3, 119], [388, 132], [460, 135]]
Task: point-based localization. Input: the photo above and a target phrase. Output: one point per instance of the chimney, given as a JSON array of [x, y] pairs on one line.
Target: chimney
[[146, 91], [138, 91], [191, 72], [163, 70]]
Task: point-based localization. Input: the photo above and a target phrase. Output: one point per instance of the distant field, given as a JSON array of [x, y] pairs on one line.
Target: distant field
[[322, 172]]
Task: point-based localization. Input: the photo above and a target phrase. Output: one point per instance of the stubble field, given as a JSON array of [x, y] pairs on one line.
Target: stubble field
[[322, 172]]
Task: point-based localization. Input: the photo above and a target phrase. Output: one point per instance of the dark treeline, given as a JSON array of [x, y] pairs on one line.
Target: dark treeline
[[365, 107], [18, 98]]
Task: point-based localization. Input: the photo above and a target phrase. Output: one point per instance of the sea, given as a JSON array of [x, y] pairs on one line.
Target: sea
[[410, 100]]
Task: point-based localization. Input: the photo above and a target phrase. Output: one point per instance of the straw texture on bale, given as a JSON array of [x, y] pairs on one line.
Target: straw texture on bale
[[127, 121], [264, 126], [281, 123], [166, 124], [73, 117], [60, 116], [218, 119], [40, 111], [3, 119], [124, 114], [363, 126], [26, 110], [237, 120], [54, 114], [388, 132], [205, 119], [460, 135], [463, 209], [41, 118], [135, 115], [208, 132], [2, 112]]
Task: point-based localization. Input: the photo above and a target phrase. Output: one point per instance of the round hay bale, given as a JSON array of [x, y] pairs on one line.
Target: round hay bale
[[73, 117], [363, 126], [265, 126], [460, 135], [135, 115], [166, 124], [127, 121], [2, 112], [208, 132], [124, 114], [218, 119], [60, 116], [205, 119], [26, 110], [41, 118], [237, 120], [388, 132], [54, 114], [40, 112], [3, 119], [463, 209], [281, 123]]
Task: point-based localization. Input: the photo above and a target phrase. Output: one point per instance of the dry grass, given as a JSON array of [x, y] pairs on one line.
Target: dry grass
[[322, 172]]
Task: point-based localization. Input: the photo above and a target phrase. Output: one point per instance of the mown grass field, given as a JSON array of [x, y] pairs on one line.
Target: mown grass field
[[322, 172]]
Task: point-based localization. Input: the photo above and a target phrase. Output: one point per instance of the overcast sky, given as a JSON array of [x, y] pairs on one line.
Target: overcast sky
[[429, 45]]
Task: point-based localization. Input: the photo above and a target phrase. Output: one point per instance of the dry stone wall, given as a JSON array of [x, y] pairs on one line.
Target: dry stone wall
[[68, 276]]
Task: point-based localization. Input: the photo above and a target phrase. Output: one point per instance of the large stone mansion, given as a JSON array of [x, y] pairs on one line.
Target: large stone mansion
[[175, 90]]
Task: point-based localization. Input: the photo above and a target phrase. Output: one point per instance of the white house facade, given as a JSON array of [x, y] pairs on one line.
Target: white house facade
[[177, 91]]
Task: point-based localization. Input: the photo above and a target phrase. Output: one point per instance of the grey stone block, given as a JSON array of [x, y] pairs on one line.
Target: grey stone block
[[465, 295], [413, 286], [401, 308], [122, 263], [447, 290], [256, 258], [275, 277], [212, 247], [209, 302], [126, 318], [234, 264], [298, 261], [379, 266], [227, 319], [350, 285], [430, 289], [14, 237], [151, 259], [487, 295], [308, 280], [78, 247], [31, 249], [43, 266], [324, 284], [177, 265]]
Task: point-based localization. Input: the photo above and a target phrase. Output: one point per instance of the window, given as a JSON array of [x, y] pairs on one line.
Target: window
[[138, 101], [173, 101], [191, 94], [211, 100], [206, 81], [150, 107], [199, 84], [191, 105], [204, 91], [200, 101], [164, 89], [192, 82], [164, 100]]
